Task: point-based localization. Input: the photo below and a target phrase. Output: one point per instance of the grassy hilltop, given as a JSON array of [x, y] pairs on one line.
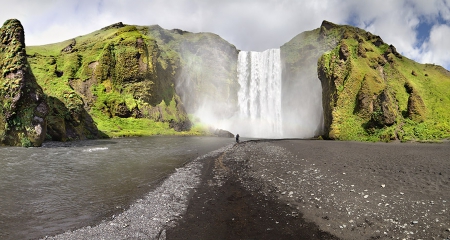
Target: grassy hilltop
[[115, 80]]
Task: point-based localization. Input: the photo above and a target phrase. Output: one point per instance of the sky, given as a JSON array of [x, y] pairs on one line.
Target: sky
[[419, 29]]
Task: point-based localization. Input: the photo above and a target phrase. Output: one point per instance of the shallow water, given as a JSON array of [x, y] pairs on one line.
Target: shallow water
[[63, 186]]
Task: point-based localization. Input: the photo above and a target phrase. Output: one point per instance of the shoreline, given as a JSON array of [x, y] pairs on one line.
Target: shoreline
[[147, 217], [295, 188]]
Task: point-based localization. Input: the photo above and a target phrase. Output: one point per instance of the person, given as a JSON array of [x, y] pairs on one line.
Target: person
[[237, 138]]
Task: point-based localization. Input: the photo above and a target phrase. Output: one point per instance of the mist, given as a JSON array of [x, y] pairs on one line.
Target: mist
[[249, 93], [303, 111]]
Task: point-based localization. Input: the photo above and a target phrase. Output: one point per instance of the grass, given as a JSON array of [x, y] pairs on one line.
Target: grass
[[126, 127], [378, 71], [126, 74]]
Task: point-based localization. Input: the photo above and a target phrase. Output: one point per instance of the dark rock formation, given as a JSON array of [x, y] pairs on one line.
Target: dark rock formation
[[343, 51], [384, 111], [115, 25], [23, 107], [416, 107], [223, 133], [69, 47]]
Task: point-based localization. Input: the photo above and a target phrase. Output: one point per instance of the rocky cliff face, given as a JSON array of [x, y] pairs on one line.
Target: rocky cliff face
[[118, 77], [299, 60], [368, 90], [23, 107], [206, 76], [125, 80], [371, 92]]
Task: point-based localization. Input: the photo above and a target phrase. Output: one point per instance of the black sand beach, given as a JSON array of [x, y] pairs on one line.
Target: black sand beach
[[296, 189]]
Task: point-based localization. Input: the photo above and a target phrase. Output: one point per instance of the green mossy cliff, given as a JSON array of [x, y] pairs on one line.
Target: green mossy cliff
[[126, 80], [206, 74], [114, 82], [371, 92], [23, 106]]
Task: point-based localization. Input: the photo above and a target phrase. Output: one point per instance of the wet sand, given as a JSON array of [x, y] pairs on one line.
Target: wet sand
[[296, 189]]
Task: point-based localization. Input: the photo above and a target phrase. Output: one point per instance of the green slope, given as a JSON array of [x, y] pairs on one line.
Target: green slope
[[116, 80], [373, 93]]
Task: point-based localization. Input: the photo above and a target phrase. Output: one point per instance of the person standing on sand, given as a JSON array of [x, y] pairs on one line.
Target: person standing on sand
[[237, 138]]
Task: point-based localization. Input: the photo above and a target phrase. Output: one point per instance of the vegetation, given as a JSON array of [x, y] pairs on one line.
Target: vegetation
[[120, 80], [111, 83], [208, 66], [378, 95]]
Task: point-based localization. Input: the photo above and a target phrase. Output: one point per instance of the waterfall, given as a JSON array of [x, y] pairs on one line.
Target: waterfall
[[259, 96]]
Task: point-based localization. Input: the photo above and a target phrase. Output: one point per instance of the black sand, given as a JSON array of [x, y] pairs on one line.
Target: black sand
[[305, 189]]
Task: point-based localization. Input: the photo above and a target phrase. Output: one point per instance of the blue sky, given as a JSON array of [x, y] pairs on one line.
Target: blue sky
[[419, 29]]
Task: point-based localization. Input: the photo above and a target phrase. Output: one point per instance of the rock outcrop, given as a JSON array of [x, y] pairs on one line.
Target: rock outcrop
[[299, 59], [223, 133], [23, 107]]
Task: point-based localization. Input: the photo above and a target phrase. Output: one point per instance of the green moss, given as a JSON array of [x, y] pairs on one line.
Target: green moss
[[118, 75], [20, 95], [362, 68], [25, 142]]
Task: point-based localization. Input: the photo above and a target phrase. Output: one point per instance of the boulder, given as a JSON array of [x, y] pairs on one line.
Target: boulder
[[223, 133]]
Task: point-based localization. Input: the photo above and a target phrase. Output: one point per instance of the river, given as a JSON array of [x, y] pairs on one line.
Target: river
[[64, 186]]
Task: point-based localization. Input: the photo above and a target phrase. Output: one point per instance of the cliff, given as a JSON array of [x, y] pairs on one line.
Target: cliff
[[206, 77], [371, 92], [117, 79], [23, 107], [130, 80], [299, 59]]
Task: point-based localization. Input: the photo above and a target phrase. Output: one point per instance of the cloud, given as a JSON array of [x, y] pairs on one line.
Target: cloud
[[406, 24], [248, 24], [437, 48]]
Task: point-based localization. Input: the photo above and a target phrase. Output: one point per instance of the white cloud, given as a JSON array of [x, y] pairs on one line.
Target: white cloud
[[437, 49], [248, 24]]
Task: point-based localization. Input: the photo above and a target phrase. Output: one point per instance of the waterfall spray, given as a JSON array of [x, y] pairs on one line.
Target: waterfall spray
[[253, 94]]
